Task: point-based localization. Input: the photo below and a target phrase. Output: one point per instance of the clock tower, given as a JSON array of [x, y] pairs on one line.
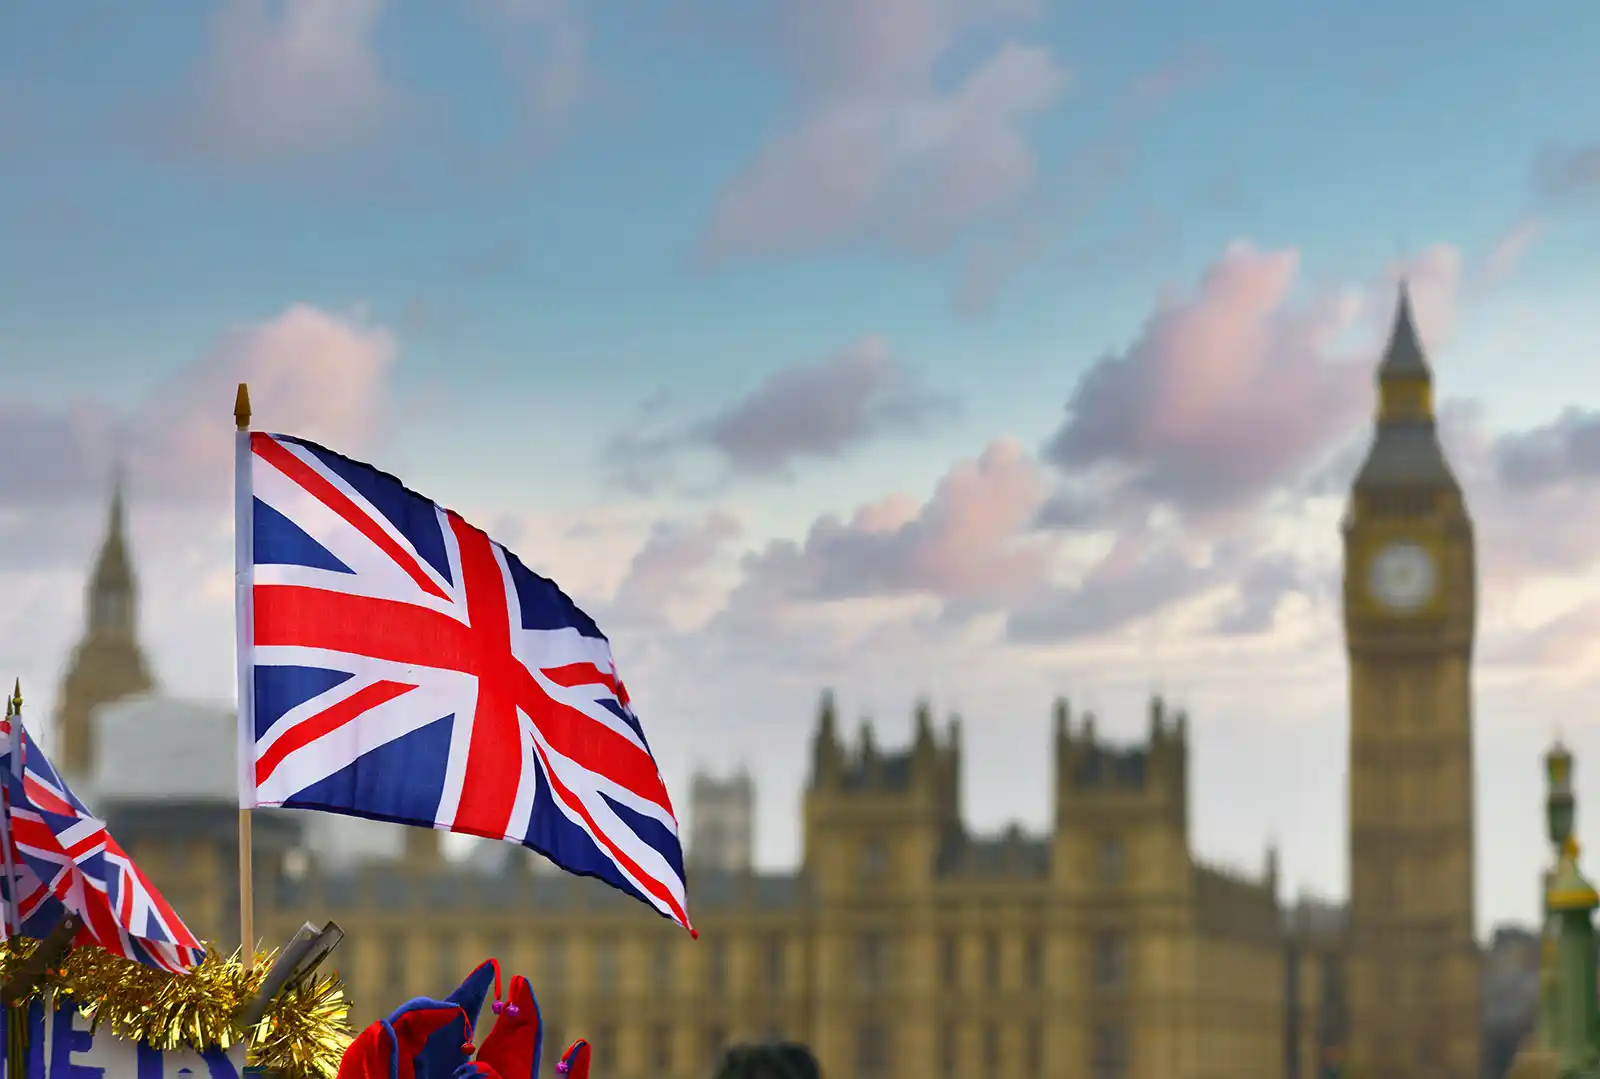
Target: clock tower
[[1410, 599]]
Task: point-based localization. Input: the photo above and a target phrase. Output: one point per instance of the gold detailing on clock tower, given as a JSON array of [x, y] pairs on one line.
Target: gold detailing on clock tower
[[108, 664], [1410, 610]]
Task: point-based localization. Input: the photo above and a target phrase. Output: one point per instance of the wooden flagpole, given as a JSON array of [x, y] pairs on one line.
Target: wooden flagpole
[[13, 905], [243, 565]]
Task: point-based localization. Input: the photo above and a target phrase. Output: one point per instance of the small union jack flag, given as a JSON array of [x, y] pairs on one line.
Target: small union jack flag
[[63, 859], [398, 664]]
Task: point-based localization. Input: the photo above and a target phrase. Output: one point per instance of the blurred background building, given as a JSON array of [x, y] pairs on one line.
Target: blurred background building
[[904, 945], [722, 823]]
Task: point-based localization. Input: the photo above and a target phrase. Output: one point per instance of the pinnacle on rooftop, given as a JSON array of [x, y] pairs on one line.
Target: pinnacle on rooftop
[[1404, 358]]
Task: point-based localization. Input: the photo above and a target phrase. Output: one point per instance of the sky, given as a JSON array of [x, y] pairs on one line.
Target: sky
[[982, 351]]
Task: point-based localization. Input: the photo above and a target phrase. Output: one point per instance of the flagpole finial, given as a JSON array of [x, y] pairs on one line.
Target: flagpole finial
[[16, 698], [241, 407]]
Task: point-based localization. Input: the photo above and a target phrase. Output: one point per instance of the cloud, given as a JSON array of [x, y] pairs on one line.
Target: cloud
[[1184, 71], [1565, 175], [880, 151], [319, 375], [1507, 255], [844, 48], [805, 412], [311, 372], [1230, 391], [1566, 450], [818, 411], [1135, 579], [965, 545], [1512, 479], [1186, 467], [1221, 393], [1171, 453], [1090, 175], [47, 453], [670, 569], [1093, 171], [1569, 641], [288, 79], [1266, 580], [545, 47]]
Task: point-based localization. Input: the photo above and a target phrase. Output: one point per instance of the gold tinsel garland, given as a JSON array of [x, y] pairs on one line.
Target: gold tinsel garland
[[303, 1034]]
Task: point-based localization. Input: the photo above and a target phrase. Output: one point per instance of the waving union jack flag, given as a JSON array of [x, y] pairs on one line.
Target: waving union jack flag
[[63, 859], [401, 665]]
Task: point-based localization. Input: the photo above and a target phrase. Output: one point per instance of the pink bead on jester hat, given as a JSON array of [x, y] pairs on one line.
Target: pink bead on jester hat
[[432, 1039]]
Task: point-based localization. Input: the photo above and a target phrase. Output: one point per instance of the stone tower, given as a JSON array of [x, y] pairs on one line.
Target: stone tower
[[875, 823], [1410, 608], [107, 665], [722, 822]]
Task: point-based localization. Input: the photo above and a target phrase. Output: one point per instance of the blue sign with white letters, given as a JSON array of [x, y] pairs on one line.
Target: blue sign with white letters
[[61, 1046]]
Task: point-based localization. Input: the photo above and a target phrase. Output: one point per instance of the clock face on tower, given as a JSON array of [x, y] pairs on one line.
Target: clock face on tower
[[1402, 577]]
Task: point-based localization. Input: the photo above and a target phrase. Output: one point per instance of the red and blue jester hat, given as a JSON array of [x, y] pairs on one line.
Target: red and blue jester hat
[[432, 1039]]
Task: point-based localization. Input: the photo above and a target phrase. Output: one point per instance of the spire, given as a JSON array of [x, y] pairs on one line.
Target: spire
[[1405, 449], [924, 724], [1403, 358], [111, 586], [827, 716], [107, 664], [827, 755]]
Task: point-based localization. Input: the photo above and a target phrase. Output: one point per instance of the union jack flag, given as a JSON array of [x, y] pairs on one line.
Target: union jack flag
[[398, 664], [63, 859]]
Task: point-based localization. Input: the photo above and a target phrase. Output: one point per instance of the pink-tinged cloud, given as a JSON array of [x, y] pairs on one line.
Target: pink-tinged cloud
[[286, 79], [967, 544], [310, 373], [672, 567], [1233, 390], [1222, 393], [881, 151], [1507, 255]]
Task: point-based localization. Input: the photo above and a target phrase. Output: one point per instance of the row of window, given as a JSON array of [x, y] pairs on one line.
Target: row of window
[[662, 1043], [1108, 961], [450, 964], [874, 957], [1110, 860], [1108, 1049]]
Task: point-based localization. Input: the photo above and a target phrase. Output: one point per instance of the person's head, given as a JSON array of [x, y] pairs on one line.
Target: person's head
[[784, 1060]]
